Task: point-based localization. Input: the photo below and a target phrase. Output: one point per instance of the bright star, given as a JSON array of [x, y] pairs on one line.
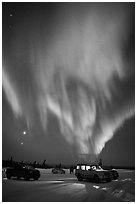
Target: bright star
[[24, 132]]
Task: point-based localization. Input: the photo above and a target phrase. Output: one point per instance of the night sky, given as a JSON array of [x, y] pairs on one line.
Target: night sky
[[68, 82]]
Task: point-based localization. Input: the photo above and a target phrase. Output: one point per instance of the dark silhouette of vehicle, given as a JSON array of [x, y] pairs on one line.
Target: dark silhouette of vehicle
[[114, 174], [20, 171], [94, 173], [3, 172], [58, 171]]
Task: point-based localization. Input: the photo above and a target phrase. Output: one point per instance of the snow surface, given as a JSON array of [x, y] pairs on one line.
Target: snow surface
[[58, 188]]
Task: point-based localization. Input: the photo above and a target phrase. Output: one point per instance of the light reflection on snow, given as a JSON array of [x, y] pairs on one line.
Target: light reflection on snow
[[127, 179], [77, 185], [105, 188], [125, 171], [97, 187], [118, 193], [129, 197], [71, 188], [54, 181]]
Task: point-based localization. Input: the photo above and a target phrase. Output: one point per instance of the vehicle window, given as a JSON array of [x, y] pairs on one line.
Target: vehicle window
[[99, 167], [93, 167], [30, 167], [78, 167], [83, 167], [88, 167]]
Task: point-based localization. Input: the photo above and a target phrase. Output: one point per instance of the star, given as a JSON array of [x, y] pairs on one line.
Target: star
[[24, 132], [11, 14]]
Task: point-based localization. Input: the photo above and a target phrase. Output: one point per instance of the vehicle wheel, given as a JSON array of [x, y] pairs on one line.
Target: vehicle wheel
[[96, 178], [26, 177], [79, 177], [115, 177], [36, 178], [8, 176]]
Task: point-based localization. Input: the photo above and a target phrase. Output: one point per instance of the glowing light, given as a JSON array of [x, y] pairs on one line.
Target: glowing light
[[127, 179], [54, 181], [76, 76], [24, 132], [21, 143], [90, 59], [105, 188], [78, 185], [11, 93], [97, 187]]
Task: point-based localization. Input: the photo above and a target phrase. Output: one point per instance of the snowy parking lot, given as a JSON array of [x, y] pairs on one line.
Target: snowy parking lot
[[57, 188]]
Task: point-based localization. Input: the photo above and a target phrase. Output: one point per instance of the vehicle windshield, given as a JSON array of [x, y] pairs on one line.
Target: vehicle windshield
[[99, 167], [96, 168], [29, 167]]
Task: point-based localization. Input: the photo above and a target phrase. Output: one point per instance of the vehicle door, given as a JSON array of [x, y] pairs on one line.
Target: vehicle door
[[83, 171], [88, 172], [19, 171], [91, 170]]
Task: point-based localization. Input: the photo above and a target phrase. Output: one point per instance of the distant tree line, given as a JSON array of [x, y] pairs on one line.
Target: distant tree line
[[11, 163]]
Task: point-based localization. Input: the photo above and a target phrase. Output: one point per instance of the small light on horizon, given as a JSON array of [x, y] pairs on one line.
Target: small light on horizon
[[11, 14], [21, 143]]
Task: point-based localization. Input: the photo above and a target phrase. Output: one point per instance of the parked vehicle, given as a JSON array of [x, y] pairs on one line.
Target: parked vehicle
[[114, 174], [20, 171], [58, 171], [92, 172], [3, 172]]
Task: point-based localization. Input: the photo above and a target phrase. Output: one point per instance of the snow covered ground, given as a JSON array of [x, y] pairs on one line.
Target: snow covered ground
[[57, 188]]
